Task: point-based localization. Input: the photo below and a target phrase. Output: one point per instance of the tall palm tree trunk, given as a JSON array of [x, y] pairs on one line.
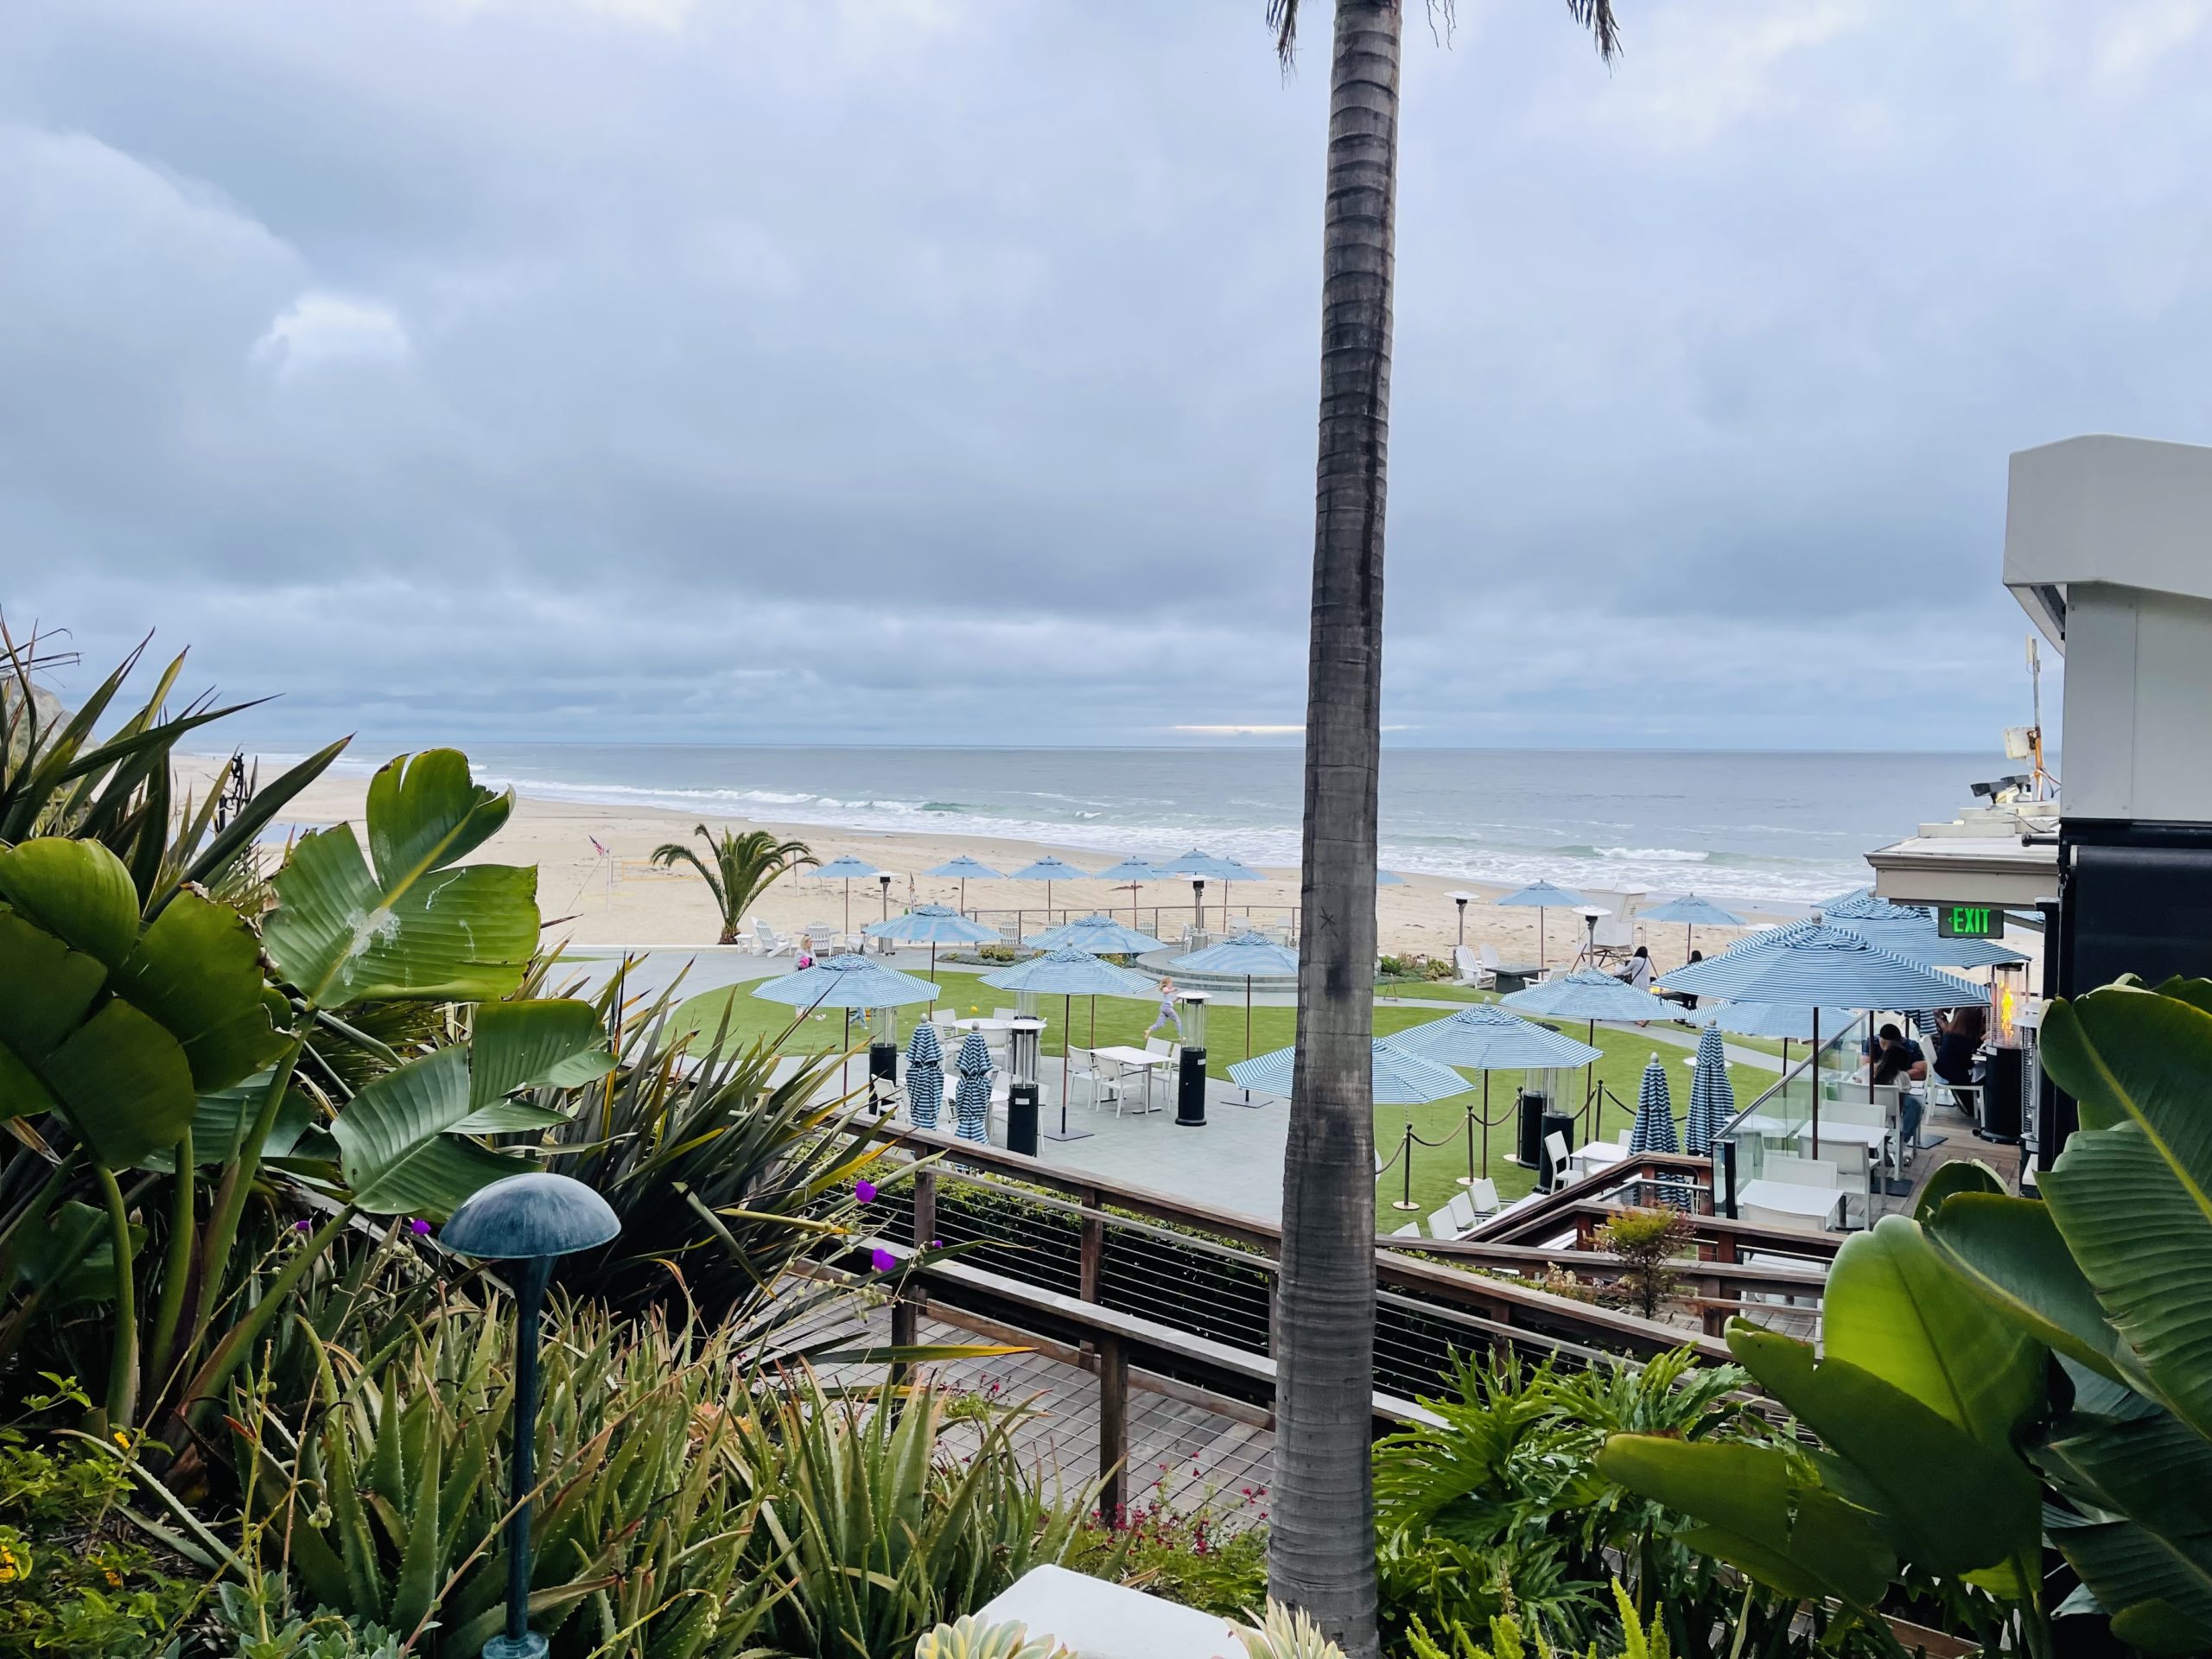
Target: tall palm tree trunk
[[1321, 1543]]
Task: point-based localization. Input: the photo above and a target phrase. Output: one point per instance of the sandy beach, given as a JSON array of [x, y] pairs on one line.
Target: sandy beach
[[618, 898]]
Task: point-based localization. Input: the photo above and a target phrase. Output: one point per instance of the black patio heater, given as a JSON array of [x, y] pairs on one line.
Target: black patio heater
[[1190, 1083], [883, 947], [1197, 910]]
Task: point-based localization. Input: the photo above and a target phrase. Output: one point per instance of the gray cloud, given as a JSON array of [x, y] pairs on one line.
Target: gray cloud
[[945, 368]]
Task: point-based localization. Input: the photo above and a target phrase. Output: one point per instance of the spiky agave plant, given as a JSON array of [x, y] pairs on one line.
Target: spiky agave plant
[[970, 1637]]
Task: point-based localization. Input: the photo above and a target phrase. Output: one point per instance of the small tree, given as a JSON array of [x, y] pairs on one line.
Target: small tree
[[1644, 1241], [742, 869]]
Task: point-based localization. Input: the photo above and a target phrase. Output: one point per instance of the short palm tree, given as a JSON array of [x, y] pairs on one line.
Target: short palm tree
[[742, 868]]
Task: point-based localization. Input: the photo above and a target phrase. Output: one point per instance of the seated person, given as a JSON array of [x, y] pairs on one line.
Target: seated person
[[1688, 999], [1898, 1062], [1637, 971], [1958, 1040]]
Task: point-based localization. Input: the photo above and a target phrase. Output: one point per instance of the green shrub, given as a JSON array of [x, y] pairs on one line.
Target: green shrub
[[73, 1579], [1645, 1242], [1212, 1556]]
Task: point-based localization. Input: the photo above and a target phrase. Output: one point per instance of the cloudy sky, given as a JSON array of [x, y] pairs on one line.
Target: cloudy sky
[[943, 370]]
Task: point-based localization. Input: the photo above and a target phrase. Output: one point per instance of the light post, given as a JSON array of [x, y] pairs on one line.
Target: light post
[[531, 1219], [1461, 900]]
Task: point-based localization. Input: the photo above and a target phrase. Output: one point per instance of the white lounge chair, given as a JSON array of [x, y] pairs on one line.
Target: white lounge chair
[[1474, 970], [769, 942]]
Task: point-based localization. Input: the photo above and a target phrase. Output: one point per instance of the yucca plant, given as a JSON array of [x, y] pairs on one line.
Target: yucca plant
[[738, 868], [1287, 1633], [387, 1499], [877, 1529], [721, 1174]]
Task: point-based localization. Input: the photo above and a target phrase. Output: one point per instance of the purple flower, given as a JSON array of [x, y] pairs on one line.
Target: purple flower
[[864, 1190], [303, 1226], [419, 1227], [937, 1243], [881, 1260]]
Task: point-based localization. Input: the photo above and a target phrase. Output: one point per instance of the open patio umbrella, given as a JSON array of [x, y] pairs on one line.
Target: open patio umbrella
[[1213, 869], [1068, 974], [1592, 995], [1812, 963], [971, 1096], [1484, 1038], [1917, 940], [1713, 1098], [1400, 1078], [1049, 869], [964, 869], [1248, 955], [1790, 1022], [1544, 895], [846, 983], [1861, 905], [931, 925], [1133, 874], [848, 869], [1102, 936], [1693, 913], [1388, 878], [924, 1075]]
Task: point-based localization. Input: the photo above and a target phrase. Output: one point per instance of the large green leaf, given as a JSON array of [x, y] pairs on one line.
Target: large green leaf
[[1761, 1512], [2132, 1191], [555, 1041], [70, 1254], [2009, 1251], [1894, 1307], [400, 1142], [76, 890], [1948, 1503], [123, 1083], [2159, 1596], [413, 928], [116, 1028], [197, 969], [222, 1116]]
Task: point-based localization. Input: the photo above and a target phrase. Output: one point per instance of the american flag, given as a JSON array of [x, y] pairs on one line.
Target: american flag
[[595, 846]]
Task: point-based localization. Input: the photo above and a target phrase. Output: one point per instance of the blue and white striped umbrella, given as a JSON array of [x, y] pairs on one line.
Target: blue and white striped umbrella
[[848, 870], [1811, 963], [846, 983], [1102, 936], [1248, 956], [931, 925], [1713, 1098], [971, 1096], [1861, 905], [1049, 869], [926, 1076], [1653, 1130], [1483, 1037], [1069, 973], [1130, 869], [1399, 1079], [1787, 1021], [1543, 895], [1388, 878], [1691, 911], [1591, 994], [964, 869], [1212, 866], [1918, 941]]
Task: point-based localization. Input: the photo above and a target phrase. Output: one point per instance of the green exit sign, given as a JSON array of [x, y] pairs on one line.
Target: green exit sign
[[1969, 921]]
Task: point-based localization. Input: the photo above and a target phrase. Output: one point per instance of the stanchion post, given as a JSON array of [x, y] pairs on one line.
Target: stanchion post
[[1468, 1179], [1405, 1200]]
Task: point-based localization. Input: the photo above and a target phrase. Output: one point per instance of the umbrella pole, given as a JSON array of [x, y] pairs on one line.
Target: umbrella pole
[[932, 974], [1540, 941], [1067, 1022], [1816, 1080], [1094, 1022], [848, 904], [1486, 1122]]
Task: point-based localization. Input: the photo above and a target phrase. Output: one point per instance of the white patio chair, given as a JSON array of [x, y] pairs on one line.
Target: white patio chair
[[1463, 1211], [772, 944], [1472, 969], [1555, 1159], [1793, 1170], [1005, 1013], [1410, 1230], [1442, 1224], [1483, 1195]]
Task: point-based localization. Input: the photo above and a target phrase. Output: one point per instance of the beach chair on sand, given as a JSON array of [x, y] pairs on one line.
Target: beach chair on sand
[[1474, 970], [769, 942]]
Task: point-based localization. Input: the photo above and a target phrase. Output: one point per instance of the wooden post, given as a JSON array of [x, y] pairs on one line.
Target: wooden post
[[925, 1208], [1094, 1248], [906, 1324], [1113, 1427]]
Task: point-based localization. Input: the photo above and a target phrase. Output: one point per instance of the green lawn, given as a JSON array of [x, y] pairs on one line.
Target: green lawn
[[1123, 1019]]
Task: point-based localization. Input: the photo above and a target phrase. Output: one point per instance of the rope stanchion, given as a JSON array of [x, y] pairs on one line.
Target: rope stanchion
[[1405, 1199]]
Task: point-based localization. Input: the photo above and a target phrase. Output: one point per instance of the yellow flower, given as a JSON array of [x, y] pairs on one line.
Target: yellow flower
[[12, 1565], [122, 1439], [114, 1579]]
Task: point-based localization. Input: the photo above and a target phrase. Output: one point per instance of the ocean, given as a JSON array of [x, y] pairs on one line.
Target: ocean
[[1780, 828]]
